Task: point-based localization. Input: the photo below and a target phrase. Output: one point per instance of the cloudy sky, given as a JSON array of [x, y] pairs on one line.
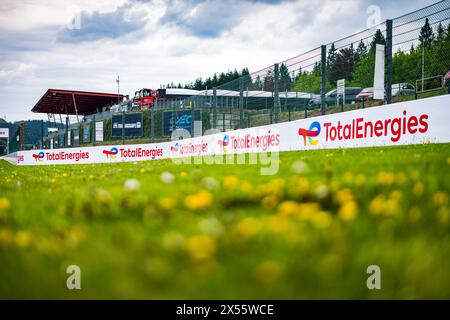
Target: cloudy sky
[[84, 45]]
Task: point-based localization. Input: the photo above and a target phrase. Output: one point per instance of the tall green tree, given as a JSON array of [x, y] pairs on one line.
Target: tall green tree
[[285, 78], [378, 38], [257, 84], [331, 57], [440, 32], [426, 35], [268, 81], [361, 51], [344, 65]]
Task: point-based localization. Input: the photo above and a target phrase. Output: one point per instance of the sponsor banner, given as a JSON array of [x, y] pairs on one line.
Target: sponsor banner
[[181, 120], [413, 122], [132, 122], [4, 132]]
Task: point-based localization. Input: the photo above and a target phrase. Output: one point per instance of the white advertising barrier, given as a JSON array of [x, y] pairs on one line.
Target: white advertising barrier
[[413, 122]]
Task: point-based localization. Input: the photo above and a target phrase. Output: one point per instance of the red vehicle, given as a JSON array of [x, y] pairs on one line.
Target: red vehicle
[[145, 98]]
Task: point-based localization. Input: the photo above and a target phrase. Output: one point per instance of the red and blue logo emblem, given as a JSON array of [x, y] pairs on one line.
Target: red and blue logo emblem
[[39, 157], [224, 143], [112, 153], [175, 147], [313, 131]]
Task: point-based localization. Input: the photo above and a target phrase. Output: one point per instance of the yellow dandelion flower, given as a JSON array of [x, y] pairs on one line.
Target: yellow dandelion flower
[[201, 247], [321, 220], [448, 160], [23, 238], [440, 198], [443, 215], [344, 196], [348, 178], [274, 187], [277, 224], [76, 235], [183, 174], [335, 185], [268, 271], [415, 174], [167, 203], [391, 207], [246, 187], [386, 178], [377, 205], [348, 211], [307, 210], [288, 208], [248, 228], [269, 202], [414, 214], [142, 170], [230, 182], [65, 174], [199, 201], [303, 186], [396, 195], [418, 188], [360, 179], [4, 204], [401, 178], [6, 237]]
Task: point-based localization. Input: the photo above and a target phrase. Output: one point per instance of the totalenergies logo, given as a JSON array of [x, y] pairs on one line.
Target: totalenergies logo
[[111, 154], [224, 143], [175, 147], [39, 157], [313, 131]]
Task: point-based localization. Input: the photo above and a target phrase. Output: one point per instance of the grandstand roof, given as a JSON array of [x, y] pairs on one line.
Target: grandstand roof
[[73, 102]]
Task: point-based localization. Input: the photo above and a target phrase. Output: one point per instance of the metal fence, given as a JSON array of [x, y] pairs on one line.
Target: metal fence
[[417, 58]]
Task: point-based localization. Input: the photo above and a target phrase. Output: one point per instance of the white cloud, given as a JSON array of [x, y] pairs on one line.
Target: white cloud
[[259, 35]]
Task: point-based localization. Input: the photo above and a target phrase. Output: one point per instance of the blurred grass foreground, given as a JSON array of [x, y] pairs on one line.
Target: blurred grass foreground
[[160, 230]]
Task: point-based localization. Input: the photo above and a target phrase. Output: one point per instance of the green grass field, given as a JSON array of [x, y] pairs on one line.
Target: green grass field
[[225, 231]]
